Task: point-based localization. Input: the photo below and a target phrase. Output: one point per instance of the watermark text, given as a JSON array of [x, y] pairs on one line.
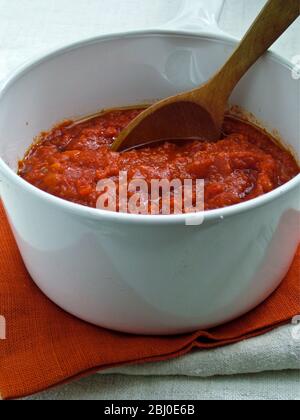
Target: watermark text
[[296, 328], [2, 328], [296, 67], [154, 197]]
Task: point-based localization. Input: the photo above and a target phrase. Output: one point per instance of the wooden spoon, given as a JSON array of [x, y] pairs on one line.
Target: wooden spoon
[[200, 113]]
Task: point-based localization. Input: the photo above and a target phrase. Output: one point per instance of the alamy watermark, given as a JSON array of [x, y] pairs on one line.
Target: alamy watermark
[[296, 67], [2, 328], [157, 197], [296, 328]]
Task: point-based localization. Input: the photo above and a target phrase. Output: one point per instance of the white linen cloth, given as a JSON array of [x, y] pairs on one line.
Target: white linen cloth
[[263, 386], [275, 351], [262, 368]]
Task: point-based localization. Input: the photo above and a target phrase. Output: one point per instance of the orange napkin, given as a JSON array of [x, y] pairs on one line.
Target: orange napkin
[[45, 346]]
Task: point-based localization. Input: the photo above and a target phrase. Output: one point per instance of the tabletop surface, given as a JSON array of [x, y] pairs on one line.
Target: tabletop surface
[[31, 27]]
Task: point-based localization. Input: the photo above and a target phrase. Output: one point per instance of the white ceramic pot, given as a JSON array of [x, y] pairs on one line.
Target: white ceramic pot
[[148, 274]]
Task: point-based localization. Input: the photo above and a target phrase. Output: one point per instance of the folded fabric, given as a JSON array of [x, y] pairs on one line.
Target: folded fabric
[[277, 350], [46, 346]]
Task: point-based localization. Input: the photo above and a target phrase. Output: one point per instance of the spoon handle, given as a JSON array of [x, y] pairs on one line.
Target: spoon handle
[[271, 23]]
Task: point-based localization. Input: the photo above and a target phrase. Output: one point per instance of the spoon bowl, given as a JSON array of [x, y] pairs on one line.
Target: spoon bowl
[[172, 121]]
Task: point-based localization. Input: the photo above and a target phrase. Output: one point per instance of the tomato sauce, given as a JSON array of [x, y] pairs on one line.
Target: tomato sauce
[[69, 161]]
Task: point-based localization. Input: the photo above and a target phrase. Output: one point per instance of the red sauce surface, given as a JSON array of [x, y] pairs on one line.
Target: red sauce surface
[[69, 161]]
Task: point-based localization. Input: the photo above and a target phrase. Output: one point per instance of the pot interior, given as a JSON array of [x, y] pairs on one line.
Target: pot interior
[[135, 69]]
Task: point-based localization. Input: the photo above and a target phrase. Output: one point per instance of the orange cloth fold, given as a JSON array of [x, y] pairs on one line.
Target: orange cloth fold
[[46, 347]]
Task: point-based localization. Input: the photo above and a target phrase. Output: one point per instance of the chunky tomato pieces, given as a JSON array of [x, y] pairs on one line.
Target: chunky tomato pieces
[[69, 161]]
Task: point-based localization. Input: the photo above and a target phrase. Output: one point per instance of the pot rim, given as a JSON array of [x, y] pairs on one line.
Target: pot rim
[[103, 215]]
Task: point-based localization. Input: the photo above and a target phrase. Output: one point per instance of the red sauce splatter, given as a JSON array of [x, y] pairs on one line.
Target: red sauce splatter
[[69, 161]]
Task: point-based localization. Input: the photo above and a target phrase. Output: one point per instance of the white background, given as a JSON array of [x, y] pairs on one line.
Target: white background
[[30, 27]]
